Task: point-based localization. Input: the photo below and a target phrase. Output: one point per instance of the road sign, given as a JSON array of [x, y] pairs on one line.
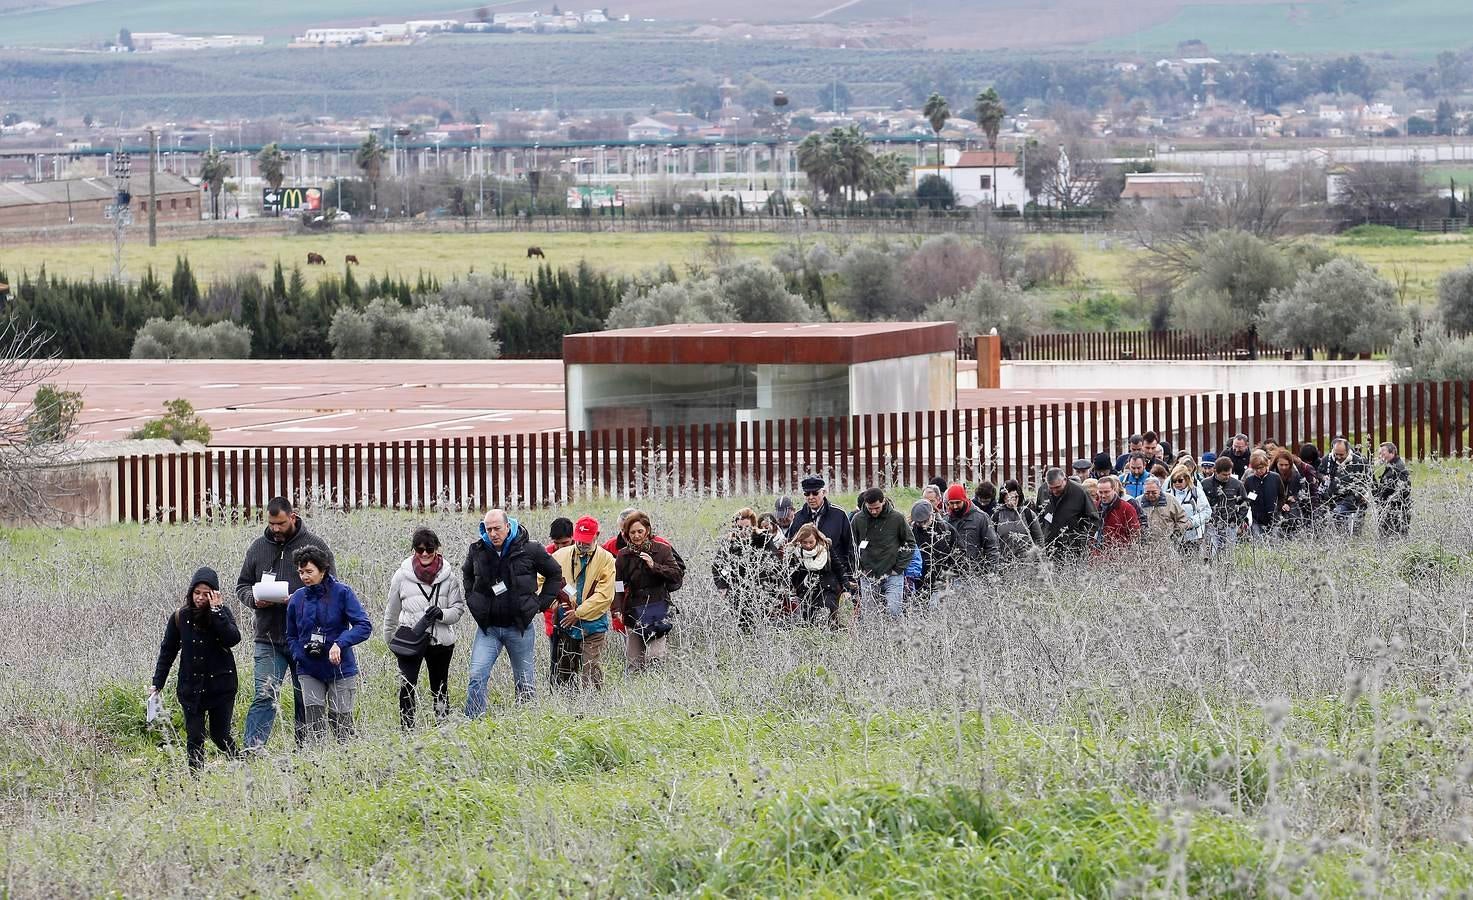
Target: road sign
[[585, 197], [291, 199]]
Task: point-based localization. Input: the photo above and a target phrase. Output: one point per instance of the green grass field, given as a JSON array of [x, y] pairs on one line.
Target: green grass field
[[1156, 730], [1330, 26], [1104, 261], [444, 255]]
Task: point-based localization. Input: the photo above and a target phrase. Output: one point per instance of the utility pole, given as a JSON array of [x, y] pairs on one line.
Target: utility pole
[[120, 211], [153, 197]]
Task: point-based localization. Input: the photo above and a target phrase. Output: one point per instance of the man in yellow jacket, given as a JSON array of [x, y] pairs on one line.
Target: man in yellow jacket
[[583, 608]]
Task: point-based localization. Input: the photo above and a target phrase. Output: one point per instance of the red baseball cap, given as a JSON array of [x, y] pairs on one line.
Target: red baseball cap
[[586, 529]]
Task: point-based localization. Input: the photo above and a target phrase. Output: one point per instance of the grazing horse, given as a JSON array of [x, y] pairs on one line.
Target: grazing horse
[[537, 252], [316, 259], [351, 260]]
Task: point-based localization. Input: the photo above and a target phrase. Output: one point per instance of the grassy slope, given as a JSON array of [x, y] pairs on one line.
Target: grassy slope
[[719, 779], [1418, 26]]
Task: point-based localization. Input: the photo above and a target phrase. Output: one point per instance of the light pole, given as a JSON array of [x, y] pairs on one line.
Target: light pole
[[780, 109], [121, 210], [480, 176]]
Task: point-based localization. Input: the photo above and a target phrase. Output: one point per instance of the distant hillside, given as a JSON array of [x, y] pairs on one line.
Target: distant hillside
[[1146, 25]]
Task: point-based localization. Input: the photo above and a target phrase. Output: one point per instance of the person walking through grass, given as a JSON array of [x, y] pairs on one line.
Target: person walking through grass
[[814, 577], [202, 636], [324, 621], [500, 581], [885, 545], [426, 602], [646, 572], [268, 562], [582, 610], [1393, 490]]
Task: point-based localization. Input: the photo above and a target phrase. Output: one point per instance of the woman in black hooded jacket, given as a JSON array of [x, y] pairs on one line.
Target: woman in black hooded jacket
[[202, 634]]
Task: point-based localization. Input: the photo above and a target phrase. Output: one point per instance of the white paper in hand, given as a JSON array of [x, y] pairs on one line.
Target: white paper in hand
[[155, 707], [270, 592]]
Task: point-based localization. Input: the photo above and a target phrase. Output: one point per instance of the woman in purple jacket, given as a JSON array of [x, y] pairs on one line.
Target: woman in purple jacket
[[323, 621]]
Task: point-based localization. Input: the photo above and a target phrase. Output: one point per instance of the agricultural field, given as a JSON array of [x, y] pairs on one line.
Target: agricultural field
[[1104, 259], [1330, 26], [1296, 725], [445, 255]]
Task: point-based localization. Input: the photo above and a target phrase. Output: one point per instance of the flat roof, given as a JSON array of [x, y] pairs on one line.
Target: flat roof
[[772, 343]]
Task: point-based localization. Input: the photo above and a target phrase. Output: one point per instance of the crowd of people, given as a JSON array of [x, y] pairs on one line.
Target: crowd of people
[[800, 564]]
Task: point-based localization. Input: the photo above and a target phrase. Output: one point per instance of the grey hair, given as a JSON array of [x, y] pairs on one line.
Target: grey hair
[[1053, 475]]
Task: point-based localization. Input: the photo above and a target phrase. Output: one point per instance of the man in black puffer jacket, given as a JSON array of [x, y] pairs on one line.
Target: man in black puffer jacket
[[269, 559], [501, 571]]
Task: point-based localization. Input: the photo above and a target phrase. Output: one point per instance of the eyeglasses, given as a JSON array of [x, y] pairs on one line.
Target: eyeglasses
[[811, 493]]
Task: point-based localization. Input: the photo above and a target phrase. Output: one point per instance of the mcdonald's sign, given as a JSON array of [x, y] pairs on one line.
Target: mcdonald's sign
[[275, 201]]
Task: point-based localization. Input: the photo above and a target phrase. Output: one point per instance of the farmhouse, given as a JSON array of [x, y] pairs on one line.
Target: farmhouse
[[1157, 188], [971, 173], [1151, 189], [678, 375], [46, 204]]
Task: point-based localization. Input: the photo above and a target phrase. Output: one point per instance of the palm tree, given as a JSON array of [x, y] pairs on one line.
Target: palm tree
[[273, 164], [937, 112], [370, 158], [886, 173], [212, 172], [814, 162], [990, 111], [854, 157]]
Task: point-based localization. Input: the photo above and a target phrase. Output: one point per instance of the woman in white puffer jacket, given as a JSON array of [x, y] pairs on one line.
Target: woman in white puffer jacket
[[426, 600], [1185, 489]]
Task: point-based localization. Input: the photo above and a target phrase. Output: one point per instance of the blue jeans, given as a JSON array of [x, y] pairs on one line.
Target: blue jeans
[[521, 646], [272, 664], [891, 588]]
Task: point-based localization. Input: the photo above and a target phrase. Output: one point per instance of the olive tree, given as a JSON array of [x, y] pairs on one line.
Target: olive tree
[[1343, 306]]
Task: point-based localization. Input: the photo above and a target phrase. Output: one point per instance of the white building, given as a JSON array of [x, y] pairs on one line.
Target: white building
[[595, 17], [166, 41], [430, 26], [970, 174]]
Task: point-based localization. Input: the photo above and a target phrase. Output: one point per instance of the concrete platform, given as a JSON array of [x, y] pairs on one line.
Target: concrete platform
[[271, 403]]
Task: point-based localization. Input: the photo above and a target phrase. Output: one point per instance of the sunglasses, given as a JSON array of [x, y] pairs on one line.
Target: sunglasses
[[811, 493], [426, 549]]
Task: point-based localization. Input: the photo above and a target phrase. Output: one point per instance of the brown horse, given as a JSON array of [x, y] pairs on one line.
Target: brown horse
[[351, 260], [316, 259], [537, 252]]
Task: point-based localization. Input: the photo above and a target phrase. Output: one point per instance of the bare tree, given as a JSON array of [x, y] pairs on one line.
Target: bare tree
[[1174, 234], [26, 491]]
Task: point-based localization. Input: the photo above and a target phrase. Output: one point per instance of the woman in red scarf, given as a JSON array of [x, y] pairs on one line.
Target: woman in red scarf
[[426, 600]]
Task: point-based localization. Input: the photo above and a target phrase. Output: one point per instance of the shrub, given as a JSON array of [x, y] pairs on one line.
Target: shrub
[[181, 339], [936, 193], [1235, 273], [1053, 263], [871, 285], [386, 330], [986, 306], [1343, 306], [757, 292], [1455, 299], [1432, 355], [944, 266], [180, 423], [670, 303], [53, 415]]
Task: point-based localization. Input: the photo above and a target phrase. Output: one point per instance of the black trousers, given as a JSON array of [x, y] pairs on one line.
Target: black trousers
[[437, 660], [217, 713]]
